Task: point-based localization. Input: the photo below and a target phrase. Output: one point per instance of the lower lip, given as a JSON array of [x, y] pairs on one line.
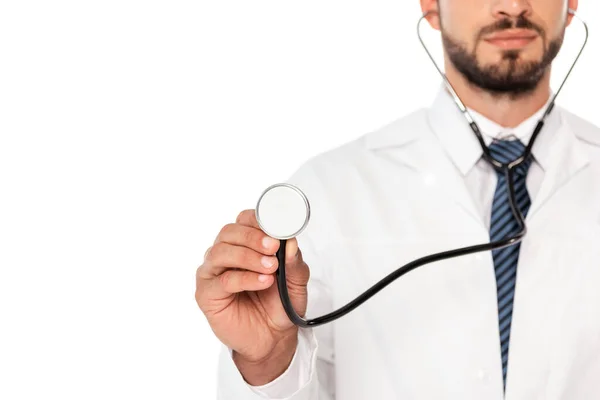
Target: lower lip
[[515, 43]]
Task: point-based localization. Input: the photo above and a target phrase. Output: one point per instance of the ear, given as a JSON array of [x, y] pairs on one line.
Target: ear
[[431, 8], [572, 4]]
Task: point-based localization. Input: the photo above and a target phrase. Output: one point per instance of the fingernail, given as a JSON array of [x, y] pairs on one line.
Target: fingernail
[[263, 278], [268, 262], [268, 242]]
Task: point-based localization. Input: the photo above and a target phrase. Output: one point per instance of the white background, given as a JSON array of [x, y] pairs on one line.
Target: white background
[[132, 131]]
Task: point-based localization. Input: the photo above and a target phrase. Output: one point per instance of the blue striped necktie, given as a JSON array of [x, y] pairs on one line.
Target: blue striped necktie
[[503, 224]]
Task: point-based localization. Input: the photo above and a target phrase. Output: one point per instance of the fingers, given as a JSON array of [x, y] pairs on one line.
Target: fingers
[[242, 258], [253, 238], [228, 283], [239, 281], [242, 245], [222, 256], [248, 218]]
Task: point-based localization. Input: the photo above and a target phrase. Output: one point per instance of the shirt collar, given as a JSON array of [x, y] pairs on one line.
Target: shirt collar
[[461, 144]]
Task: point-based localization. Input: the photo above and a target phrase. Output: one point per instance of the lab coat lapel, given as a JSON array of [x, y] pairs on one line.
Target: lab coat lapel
[[566, 158], [445, 173], [454, 150], [414, 142]]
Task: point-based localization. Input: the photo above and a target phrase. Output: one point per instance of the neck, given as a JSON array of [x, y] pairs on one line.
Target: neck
[[506, 110]]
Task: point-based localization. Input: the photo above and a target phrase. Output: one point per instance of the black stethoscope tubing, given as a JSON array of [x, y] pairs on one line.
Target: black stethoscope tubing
[[507, 169]]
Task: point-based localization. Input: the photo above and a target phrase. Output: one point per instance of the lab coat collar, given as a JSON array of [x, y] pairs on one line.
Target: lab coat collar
[[524, 131], [558, 150], [462, 146], [456, 136]]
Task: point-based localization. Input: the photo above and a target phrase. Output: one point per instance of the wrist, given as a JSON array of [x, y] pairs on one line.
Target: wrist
[[270, 367]]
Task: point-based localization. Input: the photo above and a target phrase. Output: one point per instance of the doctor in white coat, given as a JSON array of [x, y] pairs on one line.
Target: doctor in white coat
[[522, 323]]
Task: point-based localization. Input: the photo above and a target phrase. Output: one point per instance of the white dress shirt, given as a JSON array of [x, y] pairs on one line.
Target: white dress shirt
[[480, 178], [418, 186]]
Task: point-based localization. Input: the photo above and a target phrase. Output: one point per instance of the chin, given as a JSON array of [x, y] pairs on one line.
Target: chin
[[510, 59], [528, 53]]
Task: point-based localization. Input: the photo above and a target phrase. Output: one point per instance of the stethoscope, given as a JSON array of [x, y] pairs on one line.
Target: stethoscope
[[283, 211]]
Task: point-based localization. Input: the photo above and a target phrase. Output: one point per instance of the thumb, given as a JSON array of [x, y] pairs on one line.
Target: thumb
[[296, 270], [291, 251]]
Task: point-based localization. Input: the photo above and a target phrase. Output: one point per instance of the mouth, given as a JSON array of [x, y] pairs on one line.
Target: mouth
[[512, 39]]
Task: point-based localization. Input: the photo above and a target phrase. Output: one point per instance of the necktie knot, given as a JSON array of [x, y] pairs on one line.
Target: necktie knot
[[506, 151]]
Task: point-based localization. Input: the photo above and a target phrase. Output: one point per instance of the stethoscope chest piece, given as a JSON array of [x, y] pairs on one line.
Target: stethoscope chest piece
[[282, 211]]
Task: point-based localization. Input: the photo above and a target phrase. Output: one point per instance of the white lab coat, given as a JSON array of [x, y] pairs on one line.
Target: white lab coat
[[394, 195]]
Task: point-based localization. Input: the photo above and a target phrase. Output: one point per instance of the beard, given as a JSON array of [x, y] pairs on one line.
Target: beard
[[512, 76]]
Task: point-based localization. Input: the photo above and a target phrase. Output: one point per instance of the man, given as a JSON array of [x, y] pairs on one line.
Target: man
[[518, 323]]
